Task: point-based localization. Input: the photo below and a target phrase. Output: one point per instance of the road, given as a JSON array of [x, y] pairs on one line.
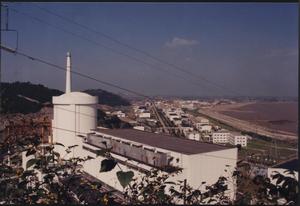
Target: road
[[246, 126], [158, 117]]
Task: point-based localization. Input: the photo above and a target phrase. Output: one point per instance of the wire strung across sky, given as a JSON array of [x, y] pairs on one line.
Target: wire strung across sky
[[83, 75], [197, 82], [72, 71], [104, 46], [131, 47]]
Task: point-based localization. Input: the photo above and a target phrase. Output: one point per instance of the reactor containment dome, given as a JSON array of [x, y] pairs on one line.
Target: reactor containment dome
[[74, 115]]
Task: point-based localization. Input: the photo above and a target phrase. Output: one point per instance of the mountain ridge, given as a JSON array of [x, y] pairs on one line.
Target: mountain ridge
[[26, 97]]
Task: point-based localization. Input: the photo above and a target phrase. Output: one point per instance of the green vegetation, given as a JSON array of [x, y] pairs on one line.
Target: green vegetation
[[108, 98], [63, 181], [259, 144], [12, 102], [25, 97]]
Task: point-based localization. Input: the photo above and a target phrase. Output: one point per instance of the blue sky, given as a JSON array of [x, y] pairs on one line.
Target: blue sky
[[251, 48]]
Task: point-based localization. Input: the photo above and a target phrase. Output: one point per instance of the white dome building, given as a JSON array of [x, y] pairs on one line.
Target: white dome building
[[74, 115]]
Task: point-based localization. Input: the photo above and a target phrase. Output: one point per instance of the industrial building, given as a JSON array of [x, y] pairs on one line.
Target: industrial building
[[74, 115], [140, 151], [75, 123]]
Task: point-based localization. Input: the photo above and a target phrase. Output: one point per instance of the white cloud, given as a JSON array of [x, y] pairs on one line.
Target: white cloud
[[177, 42]]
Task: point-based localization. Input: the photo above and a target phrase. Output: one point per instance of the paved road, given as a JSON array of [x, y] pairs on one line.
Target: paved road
[[160, 119]]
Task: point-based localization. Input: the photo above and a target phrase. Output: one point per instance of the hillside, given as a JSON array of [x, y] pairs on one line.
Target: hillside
[[108, 98], [25, 97]]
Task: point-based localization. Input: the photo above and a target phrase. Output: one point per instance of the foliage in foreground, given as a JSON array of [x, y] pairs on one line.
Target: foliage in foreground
[[51, 179]]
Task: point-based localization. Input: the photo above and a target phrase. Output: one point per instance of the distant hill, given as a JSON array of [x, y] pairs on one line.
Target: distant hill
[[108, 98], [25, 97]]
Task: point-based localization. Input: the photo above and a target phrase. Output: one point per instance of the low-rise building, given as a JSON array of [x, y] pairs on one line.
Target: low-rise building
[[142, 128], [220, 137], [177, 121], [140, 151], [202, 121], [145, 115], [205, 128], [233, 138], [186, 130], [119, 114], [193, 136], [238, 139]]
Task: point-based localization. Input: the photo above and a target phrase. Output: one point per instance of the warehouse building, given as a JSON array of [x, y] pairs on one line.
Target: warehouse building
[[140, 151]]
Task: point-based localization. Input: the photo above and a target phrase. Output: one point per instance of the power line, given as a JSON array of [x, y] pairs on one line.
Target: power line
[[83, 75], [132, 48], [72, 71], [121, 53], [78, 73], [104, 46]]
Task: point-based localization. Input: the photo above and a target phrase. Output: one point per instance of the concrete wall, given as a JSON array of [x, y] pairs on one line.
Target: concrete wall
[[70, 121], [197, 168], [210, 166], [132, 150]]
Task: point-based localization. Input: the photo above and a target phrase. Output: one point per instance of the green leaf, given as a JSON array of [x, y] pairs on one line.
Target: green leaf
[[171, 183], [40, 192], [125, 177], [31, 162], [291, 172], [107, 165], [56, 154], [6, 170], [30, 152], [279, 180], [57, 143]]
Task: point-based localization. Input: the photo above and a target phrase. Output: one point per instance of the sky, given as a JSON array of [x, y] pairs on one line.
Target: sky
[[248, 49]]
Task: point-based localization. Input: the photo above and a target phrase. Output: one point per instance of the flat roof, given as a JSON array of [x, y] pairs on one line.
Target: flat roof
[[289, 165], [176, 144]]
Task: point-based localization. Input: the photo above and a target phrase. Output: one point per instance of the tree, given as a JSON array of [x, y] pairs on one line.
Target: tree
[[50, 179]]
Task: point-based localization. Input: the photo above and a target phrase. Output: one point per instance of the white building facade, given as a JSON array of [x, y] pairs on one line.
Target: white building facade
[[220, 137], [74, 114], [140, 151], [238, 139]]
